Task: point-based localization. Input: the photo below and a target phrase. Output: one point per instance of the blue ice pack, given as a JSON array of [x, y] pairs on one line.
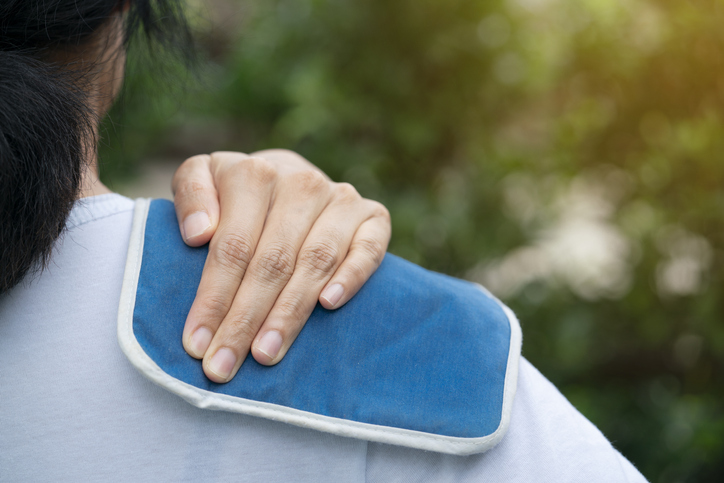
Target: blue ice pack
[[415, 359]]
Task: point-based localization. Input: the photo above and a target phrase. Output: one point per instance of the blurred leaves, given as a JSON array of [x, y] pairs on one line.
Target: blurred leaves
[[567, 154]]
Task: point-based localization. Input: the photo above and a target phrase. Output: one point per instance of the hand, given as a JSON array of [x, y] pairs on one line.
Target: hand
[[282, 236]]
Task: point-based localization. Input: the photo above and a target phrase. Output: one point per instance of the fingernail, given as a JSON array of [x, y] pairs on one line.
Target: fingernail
[[270, 343], [222, 363], [333, 293], [196, 224], [200, 341]]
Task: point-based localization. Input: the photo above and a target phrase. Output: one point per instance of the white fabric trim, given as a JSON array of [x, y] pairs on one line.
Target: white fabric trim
[[341, 427]]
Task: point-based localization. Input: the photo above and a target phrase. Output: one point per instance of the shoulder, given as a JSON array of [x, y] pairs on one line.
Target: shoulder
[[416, 358], [548, 440], [417, 361]]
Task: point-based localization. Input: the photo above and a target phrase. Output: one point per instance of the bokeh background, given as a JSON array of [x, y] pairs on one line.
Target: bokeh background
[[567, 154]]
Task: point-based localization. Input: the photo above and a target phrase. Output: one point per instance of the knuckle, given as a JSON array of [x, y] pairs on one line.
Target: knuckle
[[356, 271], [379, 210], [258, 168], [214, 307], [309, 182], [198, 160], [291, 309], [275, 263], [320, 257], [370, 248], [187, 168], [347, 192], [234, 250], [222, 161], [189, 189], [238, 330]]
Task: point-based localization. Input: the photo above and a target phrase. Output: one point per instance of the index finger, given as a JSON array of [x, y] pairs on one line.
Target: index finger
[[196, 200], [245, 186]]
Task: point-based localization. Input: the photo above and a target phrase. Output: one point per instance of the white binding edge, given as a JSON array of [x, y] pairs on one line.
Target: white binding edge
[[341, 427]]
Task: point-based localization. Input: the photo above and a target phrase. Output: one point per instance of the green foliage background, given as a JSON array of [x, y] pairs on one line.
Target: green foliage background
[[569, 155]]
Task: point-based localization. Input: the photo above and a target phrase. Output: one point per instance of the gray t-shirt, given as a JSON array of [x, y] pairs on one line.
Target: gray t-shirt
[[74, 409]]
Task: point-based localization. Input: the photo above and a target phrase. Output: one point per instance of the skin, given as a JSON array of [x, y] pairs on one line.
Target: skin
[[281, 235]]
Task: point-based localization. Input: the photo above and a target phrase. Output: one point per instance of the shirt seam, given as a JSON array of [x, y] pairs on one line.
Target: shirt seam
[[100, 217]]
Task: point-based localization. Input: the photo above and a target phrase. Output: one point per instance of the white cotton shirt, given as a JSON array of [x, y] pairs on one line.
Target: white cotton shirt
[[74, 409]]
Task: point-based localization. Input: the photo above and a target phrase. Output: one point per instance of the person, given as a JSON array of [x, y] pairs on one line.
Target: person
[[74, 409], [305, 231]]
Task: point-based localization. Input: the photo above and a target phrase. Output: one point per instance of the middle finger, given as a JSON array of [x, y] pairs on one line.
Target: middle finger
[[299, 200]]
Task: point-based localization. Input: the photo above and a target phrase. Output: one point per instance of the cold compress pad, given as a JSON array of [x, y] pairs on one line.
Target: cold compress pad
[[415, 359]]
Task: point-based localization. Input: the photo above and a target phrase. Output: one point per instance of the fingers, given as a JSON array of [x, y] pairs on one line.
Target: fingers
[[284, 233], [365, 255], [288, 161], [196, 200], [245, 187], [298, 201], [321, 258]]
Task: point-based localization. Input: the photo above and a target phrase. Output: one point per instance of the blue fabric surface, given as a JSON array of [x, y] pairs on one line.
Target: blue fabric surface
[[414, 349]]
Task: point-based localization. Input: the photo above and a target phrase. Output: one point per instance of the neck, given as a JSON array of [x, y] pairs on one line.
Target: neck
[[91, 184], [101, 95], [102, 89]]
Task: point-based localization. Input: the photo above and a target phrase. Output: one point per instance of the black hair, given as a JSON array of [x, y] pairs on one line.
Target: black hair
[[46, 124]]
